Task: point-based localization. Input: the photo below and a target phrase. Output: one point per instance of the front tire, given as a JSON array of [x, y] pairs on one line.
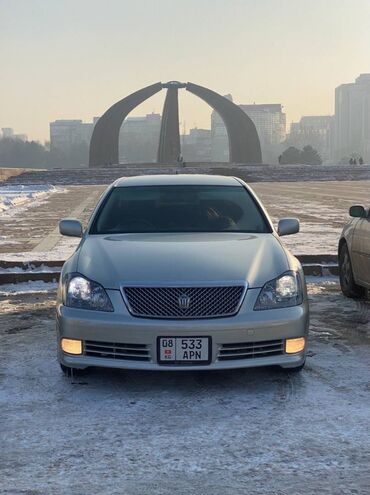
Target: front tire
[[347, 281]]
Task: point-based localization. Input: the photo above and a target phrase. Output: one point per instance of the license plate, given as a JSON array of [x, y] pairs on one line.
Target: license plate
[[184, 350]]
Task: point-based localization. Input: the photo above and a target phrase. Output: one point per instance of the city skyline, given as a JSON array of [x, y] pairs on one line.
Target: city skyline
[[337, 138], [75, 65]]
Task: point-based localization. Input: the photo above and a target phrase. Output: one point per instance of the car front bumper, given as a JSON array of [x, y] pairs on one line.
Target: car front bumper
[[248, 327]]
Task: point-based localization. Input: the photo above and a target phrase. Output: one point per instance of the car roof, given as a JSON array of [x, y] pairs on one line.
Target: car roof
[[177, 179]]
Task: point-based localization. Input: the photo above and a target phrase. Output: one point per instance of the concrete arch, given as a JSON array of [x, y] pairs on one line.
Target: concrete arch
[[244, 143], [104, 140], [169, 147]]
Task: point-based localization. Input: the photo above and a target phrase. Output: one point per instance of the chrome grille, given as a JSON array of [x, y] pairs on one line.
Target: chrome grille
[[249, 350], [128, 352], [184, 302]]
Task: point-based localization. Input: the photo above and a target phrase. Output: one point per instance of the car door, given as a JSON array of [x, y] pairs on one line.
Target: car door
[[361, 251]]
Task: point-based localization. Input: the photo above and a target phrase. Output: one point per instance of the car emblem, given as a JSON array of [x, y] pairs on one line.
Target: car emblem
[[184, 301]]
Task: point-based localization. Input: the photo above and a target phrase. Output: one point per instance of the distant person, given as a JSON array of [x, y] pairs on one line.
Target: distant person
[[280, 158], [351, 161], [180, 160], [360, 161]]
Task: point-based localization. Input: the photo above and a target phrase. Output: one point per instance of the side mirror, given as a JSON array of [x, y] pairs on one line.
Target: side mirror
[[70, 227], [358, 211], [288, 226]]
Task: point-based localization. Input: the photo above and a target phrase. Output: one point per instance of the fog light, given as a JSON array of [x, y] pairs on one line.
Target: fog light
[[294, 345], [72, 346]]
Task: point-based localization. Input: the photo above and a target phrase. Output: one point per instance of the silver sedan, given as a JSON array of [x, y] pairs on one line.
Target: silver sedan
[[354, 253], [181, 272]]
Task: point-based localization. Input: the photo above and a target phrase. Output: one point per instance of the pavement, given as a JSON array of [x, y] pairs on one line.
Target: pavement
[[322, 208], [256, 431], [35, 227]]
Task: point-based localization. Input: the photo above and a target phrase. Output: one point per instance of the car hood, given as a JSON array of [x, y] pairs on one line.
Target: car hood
[[115, 260]]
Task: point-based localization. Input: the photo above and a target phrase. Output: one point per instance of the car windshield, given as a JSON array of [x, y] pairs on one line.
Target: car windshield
[[179, 208]]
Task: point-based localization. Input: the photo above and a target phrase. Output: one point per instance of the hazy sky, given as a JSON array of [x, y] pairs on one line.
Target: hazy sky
[[74, 58]]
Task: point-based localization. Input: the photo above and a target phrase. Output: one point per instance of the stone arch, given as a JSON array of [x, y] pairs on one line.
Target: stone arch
[[104, 139], [244, 143]]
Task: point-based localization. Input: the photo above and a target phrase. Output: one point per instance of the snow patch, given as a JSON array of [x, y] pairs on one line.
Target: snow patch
[[14, 196], [38, 286], [32, 269]]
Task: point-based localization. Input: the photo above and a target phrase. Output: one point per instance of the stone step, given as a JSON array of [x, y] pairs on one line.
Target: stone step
[[250, 173], [19, 277], [14, 272]]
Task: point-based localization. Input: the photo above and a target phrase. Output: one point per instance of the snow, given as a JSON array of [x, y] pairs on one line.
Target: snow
[[15, 196], [255, 431], [64, 248], [34, 287], [322, 281], [30, 269], [25, 256], [320, 228], [314, 239]]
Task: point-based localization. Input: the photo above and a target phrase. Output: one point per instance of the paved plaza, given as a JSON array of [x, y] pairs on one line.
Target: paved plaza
[[322, 208]]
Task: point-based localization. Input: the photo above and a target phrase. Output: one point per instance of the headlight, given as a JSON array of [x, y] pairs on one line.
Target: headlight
[[85, 294], [282, 292]]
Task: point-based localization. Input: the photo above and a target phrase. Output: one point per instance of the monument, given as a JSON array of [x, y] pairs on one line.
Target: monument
[[244, 144]]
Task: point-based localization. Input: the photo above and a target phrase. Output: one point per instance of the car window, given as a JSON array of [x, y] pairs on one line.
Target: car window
[[179, 208]]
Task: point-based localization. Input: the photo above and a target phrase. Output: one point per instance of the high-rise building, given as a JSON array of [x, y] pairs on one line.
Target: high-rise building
[[138, 142], [313, 130], [270, 122], [352, 119], [21, 137], [7, 132], [66, 134], [139, 138], [196, 146]]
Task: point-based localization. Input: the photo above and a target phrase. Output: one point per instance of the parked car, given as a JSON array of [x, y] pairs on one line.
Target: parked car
[[181, 272], [354, 253]]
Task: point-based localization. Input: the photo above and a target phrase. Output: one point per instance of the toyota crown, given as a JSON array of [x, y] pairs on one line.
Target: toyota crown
[[181, 272]]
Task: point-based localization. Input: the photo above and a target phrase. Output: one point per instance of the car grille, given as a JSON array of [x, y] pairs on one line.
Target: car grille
[[129, 352], [184, 302], [250, 350]]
